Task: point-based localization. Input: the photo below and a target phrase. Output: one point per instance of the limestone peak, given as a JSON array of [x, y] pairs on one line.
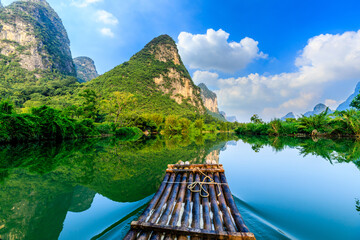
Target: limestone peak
[[163, 48]]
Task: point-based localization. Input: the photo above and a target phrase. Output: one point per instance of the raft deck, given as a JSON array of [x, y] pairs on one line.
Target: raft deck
[[193, 201]]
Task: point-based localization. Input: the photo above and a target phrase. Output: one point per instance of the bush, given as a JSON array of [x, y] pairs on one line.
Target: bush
[[129, 132], [105, 128]]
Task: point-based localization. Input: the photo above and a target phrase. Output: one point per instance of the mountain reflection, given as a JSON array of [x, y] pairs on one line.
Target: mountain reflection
[[41, 182]]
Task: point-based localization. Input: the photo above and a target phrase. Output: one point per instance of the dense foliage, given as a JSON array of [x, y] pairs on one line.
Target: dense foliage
[[339, 123]]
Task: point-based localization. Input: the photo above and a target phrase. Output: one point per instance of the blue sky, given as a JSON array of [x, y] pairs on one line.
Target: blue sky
[[260, 56]]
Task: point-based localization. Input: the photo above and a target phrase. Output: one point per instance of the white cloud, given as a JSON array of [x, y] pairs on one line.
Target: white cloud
[[107, 32], [327, 60], [106, 17], [206, 77], [84, 3], [212, 51]]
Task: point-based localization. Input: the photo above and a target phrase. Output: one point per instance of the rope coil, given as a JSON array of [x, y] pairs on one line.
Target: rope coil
[[193, 185]]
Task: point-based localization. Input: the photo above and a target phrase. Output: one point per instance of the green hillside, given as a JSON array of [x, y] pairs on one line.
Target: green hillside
[[137, 75]]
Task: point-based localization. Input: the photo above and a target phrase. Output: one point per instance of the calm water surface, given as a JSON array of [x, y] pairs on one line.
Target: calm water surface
[[285, 188]]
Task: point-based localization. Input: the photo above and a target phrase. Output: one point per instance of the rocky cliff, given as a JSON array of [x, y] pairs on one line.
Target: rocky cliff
[[32, 34], [85, 69], [209, 98], [158, 79], [176, 80]]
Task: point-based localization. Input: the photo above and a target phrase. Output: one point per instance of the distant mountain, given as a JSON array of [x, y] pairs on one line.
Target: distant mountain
[[346, 105], [223, 114], [231, 118], [158, 79], [228, 118], [209, 98], [317, 110], [85, 69], [289, 115]]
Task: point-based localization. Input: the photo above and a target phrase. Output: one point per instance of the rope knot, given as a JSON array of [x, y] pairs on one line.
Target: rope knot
[[193, 185]]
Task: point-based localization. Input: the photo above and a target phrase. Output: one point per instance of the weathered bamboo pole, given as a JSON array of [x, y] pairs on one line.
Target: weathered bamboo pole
[[196, 207], [191, 166], [176, 213], [239, 222], [169, 206], [193, 170], [205, 207], [202, 233], [187, 206], [215, 208], [225, 212], [155, 199], [185, 216], [159, 206], [131, 235]]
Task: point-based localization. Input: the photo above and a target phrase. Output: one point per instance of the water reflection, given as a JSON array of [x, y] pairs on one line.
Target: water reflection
[[46, 188], [333, 150], [40, 183]]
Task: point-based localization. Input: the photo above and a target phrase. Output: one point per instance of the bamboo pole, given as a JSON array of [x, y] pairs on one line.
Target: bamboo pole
[[155, 199], [194, 170], [156, 213], [185, 216], [131, 235], [176, 213], [169, 206], [225, 212], [201, 233], [208, 166], [239, 222], [196, 207], [205, 207], [215, 208]]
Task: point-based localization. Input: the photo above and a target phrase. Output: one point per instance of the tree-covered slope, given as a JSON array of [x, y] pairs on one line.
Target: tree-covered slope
[[156, 77]]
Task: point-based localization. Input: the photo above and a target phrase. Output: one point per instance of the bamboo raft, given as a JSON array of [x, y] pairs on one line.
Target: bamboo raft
[[193, 201]]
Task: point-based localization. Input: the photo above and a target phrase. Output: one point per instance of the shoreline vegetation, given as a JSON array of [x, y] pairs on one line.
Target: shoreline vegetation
[[336, 125], [88, 119], [47, 123]]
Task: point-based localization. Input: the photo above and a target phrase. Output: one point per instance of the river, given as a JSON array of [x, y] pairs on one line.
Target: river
[[285, 188]]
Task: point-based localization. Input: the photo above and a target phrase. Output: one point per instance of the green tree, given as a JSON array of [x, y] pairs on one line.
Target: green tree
[[199, 124], [355, 103], [89, 106], [6, 106], [256, 119], [117, 102]]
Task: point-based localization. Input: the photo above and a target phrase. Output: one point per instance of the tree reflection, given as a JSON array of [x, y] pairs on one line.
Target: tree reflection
[[333, 150]]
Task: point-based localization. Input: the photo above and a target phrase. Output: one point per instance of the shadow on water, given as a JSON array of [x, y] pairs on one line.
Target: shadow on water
[[41, 182]]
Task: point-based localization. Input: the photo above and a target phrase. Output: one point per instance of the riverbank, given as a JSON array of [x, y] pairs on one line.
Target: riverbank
[[339, 124]]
